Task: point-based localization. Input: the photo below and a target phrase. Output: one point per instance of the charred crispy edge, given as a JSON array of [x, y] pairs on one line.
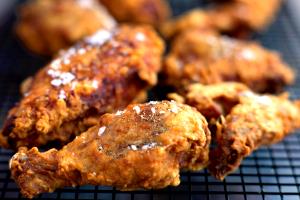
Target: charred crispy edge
[[219, 165]]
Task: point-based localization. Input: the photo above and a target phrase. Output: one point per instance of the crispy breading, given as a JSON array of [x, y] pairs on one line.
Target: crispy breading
[[47, 26], [257, 121], [193, 19], [245, 121], [237, 17], [212, 100], [152, 12], [103, 73], [205, 57], [143, 146]]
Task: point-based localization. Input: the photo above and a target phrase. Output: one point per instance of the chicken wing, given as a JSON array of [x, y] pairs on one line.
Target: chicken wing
[[236, 18], [152, 12], [250, 121], [46, 26], [103, 73], [206, 57], [143, 146]]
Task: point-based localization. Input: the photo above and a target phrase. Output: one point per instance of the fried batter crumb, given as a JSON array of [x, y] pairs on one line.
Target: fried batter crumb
[[64, 97], [136, 151]]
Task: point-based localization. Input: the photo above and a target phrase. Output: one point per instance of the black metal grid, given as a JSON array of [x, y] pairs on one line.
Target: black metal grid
[[269, 173]]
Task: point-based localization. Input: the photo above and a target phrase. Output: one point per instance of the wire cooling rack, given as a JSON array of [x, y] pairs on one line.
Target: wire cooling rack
[[269, 173]]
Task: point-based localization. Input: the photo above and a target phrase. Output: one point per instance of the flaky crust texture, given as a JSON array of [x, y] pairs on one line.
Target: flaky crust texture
[[205, 57], [243, 121], [257, 121], [237, 18], [152, 12], [214, 100], [47, 26], [103, 73], [143, 146]]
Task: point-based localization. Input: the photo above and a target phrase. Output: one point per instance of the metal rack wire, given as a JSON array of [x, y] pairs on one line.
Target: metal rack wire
[[269, 173]]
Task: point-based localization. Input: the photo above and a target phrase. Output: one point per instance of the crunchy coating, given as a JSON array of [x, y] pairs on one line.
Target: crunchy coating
[[237, 17], [143, 146], [152, 12], [257, 121], [193, 19], [214, 100], [250, 121], [47, 26], [242, 16], [199, 56], [103, 73]]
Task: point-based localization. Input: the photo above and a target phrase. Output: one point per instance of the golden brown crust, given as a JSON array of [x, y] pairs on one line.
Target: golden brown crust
[[257, 121], [247, 14], [237, 17], [152, 12], [250, 121], [143, 146], [207, 58], [46, 26], [214, 100], [103, 73], [194, 19]]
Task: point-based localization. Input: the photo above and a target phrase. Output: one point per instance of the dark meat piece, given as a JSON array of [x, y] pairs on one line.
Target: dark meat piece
[[236, 18], [250, 121], [144, 146], [103, 73], [205, 57]]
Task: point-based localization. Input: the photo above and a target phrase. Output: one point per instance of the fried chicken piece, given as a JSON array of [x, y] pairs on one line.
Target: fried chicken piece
[[103, 73], [46, 26], [143, 146], [194, 19], [152, 12], [257, 121], [214, 100], [243, 16], [251, 121], [207, 58], [237, 18]]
